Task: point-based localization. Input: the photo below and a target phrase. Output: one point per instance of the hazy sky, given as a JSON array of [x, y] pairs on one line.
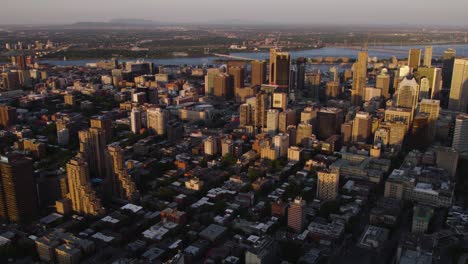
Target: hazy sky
[[433, 12]]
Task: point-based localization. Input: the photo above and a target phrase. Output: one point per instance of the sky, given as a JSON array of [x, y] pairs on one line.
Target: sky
[[363, 12]]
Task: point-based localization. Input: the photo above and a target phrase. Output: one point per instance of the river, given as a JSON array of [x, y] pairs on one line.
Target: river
[[378, 51]]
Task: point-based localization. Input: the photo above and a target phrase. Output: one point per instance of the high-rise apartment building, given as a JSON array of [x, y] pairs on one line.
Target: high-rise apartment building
[[281, 144], [458, 100], [122, 184], [18, 196], [279, 67], [296, 214], [327, 185], [83, 198], [135, 120], [262, 104], [245, 115], [272, 122], [92, 146], [285, 119], [460, 134], [156, 120], [103, 123], [8, 115], [211, 146]]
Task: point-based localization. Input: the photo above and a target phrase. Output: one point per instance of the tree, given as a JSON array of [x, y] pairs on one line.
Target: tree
[[228, 160]]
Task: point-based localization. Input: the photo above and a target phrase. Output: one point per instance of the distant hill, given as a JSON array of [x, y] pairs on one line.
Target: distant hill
[[133, 21]]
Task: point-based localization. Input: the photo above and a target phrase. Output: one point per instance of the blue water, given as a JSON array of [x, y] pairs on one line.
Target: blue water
[[398, 51]]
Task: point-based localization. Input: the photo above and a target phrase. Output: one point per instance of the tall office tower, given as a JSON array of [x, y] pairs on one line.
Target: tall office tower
[[135, 120], [327, 186], [280, 101], [285, 119], [408, 94], [335, 74], [223, 86], [431, 107], [19, 61], [262, 104], [329, 122], [347, 132], [69, 99], [292, 132], [103, 123], [309, 115], [448, 60], [10, 81], [396, 132], [122, 184], [24, 78], [359, 78], [211, 146], [313, 82], [259, 72], [303, 132], [8, 116], [175, 130], [383, 83], [83, 198], [281, 143], [361, 127], [18, 196], [421, 218], [414, 58], [459, 89], [404, 115], [245, 115], [460, 134], [333, 89], [292, 87], [272, 122], [279, 67], [420, 132], [296, 214], [428, 56], [430, 80], [209, 80], [92, 146], [382, 137], [300, 73], [237, 76], [156, 120]]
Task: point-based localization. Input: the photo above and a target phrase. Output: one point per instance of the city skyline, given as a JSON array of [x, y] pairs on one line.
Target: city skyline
[[361, 12]]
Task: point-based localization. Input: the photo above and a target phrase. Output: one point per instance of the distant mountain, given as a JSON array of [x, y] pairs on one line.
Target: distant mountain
[[133, 21]]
